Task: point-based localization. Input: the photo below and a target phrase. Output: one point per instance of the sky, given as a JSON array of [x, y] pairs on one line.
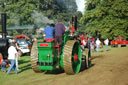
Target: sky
[[81, 5]]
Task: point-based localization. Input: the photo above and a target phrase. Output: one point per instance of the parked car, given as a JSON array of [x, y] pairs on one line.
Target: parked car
[[24, 46], [118, 42]]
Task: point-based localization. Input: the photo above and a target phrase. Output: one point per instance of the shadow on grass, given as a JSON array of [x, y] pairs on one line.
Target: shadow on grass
[[84, 67], [55, 72], [24, 68], [23, 61]]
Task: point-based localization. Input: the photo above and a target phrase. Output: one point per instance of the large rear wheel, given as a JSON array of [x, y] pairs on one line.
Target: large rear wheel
[[34, 57], [72, 57]]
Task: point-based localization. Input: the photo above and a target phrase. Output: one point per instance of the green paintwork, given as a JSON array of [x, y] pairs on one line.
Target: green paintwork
[[76, 64], [45, 55], [48, 53]]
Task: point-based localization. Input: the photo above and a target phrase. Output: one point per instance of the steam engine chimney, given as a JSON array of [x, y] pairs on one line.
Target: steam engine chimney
[[74, 22], [3, 22], [4, 44]]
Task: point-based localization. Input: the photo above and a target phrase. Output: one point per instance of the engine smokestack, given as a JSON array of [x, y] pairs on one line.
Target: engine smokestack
[[74, 22], [3, 22]]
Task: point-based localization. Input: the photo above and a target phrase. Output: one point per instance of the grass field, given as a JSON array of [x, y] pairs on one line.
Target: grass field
[[26, 76]]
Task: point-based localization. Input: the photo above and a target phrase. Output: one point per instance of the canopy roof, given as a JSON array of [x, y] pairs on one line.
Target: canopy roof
[[20, 27]]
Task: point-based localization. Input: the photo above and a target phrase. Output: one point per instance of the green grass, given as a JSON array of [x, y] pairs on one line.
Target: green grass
[[24, 69], [26, 75]]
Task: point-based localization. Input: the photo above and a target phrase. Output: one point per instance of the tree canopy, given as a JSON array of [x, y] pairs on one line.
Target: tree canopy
[[20, 12], [108, 17]]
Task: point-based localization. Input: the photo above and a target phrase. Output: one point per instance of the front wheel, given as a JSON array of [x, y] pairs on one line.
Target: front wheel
[[72, 57]]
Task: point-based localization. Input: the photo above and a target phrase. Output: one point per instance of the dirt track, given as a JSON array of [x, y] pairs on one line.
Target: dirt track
[[109, 68]]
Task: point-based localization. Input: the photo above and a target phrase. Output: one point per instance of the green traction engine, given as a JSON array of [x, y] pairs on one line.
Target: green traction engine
[[46, 56]]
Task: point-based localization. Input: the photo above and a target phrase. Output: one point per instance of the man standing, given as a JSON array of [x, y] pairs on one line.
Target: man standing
[[49, 30], [3, 65], [60, 29], [106, 44], [98, 45], [12, 54]]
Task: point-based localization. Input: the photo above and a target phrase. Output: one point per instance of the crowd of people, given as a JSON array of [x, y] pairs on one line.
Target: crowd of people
[[93, 43]]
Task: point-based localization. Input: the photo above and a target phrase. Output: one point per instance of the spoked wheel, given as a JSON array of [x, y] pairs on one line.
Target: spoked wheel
[[84, 64], [34, 57], [86, 60], [72, 57]]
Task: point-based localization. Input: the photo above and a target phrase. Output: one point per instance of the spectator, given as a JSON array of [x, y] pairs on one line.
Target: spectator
[[98, 45], [106, 42], [60, 29], [12, 54], [3, 65], [92, 46], [49, 31], [88, 43], [17, 47]]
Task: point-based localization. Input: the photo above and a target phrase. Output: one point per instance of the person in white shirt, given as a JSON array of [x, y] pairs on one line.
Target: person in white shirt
[[98, 45], [12, 54], [106, 42]]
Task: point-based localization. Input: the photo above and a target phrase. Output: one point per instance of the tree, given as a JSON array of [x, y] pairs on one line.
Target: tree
[[20, 12], [109, 17]]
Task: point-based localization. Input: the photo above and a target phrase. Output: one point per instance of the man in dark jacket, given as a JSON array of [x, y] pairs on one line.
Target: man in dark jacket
[[60, 29]]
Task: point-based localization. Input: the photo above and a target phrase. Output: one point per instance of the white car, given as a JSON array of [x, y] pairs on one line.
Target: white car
[[24, 46]]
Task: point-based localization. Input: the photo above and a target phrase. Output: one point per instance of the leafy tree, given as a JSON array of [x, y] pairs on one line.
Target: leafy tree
[[20, 11], [108, 17]]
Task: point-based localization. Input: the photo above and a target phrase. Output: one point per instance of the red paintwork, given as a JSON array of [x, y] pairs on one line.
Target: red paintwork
[[49, 39], [21, 37], [90, 59], [75, 57], [0, 59], [119, 40], [41, 44]]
